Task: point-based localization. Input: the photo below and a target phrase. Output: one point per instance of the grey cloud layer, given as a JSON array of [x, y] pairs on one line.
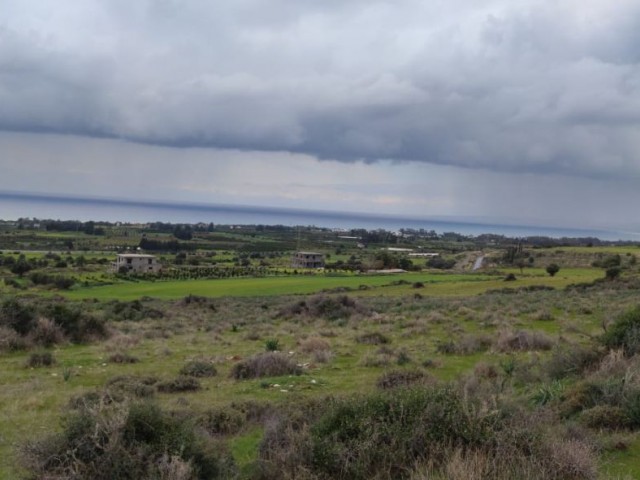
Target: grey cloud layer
[[535, 87]]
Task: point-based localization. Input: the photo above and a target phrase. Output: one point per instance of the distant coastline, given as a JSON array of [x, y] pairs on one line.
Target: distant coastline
[[14, 205]]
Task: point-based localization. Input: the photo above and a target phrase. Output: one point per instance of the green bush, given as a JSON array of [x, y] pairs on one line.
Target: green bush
[[223, 420], [126, 443], [17, 315], [624, 332], [360, 437], [605, 416]]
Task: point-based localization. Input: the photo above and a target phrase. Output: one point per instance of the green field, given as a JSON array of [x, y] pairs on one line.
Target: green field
[[434, 284]]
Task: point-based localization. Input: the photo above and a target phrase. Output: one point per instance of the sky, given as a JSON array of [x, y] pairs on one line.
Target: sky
[[506, 110]]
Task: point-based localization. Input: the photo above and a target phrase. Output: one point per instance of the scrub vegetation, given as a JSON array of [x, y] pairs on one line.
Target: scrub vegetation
[[335, 373]]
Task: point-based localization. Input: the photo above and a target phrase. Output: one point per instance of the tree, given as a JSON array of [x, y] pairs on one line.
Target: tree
[[21, 266], [552, 269]]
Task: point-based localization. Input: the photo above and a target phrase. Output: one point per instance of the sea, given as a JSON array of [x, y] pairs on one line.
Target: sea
[[57, 207]]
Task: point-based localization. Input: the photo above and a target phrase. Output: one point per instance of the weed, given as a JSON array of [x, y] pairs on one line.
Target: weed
[[272, 345]]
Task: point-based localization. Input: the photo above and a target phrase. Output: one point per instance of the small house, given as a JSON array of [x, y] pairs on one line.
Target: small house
[[136, 263], [307, 260]]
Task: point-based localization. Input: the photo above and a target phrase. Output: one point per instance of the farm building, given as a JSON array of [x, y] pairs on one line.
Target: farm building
[[136, 263], [307, 260]]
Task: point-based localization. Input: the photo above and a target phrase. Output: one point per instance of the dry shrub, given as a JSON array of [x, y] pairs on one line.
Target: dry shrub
[[180, 384], [322, 356], [485, 370], [378, 359], [522, 341], [11, 341], [613, 364], [122, 357], [199, 369], [436, 318], [121, 387], [314, 344], [403, 378], [571, 459], [173, 467], [121, 341], [44, 359], [46, 333], [268, 364], [567, 360]]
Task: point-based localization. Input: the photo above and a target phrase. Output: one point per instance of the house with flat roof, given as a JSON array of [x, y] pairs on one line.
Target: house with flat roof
[[307, 260], [136, 263]]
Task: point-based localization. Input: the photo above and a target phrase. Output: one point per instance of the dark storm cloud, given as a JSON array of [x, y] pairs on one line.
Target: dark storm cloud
[[538, 88]]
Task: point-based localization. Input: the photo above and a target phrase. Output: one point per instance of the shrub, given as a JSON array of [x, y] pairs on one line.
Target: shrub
[[223, 420], [522, 340], [36, 360], [612, 273], [79, 326], [337, 307], [605, 416], [17, 315], [269, 364], [199, 369], [314, 344], [624, 332], [10, 341], [570, 360], [510, 277], [402, 378], [552, 269], [46, 333], [121, 387], [360, 437], [120, 357], [441, 263], [373, 338], [180, 384], [127, 443]]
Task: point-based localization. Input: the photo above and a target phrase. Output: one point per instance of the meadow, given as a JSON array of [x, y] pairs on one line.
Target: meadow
[[541, 370]]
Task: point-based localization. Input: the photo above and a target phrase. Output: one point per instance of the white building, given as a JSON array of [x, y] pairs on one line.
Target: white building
[[136, 263], [307, 260]]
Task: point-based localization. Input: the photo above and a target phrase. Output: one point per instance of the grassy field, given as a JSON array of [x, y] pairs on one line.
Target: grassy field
[[434, 284], [491, 339]]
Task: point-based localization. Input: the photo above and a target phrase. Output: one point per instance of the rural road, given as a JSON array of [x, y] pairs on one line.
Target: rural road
[[478, 263]]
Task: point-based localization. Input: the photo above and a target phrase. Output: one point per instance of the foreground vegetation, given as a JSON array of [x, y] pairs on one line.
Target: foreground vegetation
[[507, 372]]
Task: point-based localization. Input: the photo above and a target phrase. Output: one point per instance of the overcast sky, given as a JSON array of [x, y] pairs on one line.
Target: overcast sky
[[517, 110]]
